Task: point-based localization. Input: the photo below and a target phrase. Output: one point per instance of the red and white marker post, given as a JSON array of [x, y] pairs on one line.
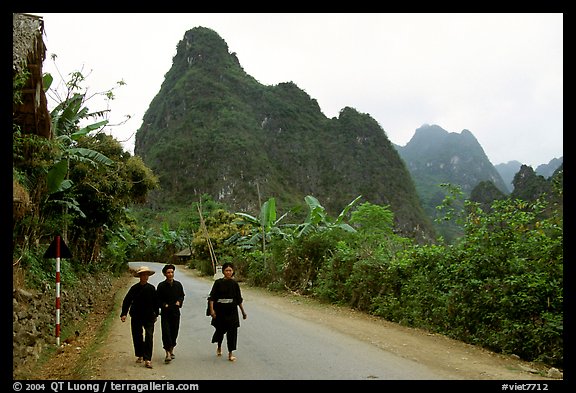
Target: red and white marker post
[[58, 249], [58, 290]]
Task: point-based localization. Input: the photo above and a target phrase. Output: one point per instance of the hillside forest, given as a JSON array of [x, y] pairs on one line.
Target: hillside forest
[[499, 285]]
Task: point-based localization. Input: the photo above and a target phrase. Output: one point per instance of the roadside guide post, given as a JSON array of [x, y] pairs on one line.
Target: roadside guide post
[[58, 249]]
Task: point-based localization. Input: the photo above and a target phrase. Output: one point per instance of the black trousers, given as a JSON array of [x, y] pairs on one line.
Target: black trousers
[[142, 337], [170, 326], [231, 337]]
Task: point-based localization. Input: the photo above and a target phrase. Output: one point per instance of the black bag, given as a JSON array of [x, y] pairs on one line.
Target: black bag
[[208, 308]]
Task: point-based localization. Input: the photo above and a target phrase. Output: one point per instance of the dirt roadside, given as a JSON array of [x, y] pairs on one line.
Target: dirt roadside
[[84, 358]]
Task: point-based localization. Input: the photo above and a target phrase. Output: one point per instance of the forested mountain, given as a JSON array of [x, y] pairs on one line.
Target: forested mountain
[[213, 129], [434, 156]]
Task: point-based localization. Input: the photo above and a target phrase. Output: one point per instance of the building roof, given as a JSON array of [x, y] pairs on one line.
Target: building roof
[[184, 253]]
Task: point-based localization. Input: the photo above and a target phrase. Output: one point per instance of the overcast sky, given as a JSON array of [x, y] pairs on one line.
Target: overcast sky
[[498, 75]]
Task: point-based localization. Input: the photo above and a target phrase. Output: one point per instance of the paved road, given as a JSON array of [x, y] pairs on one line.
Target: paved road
[[271, 346]]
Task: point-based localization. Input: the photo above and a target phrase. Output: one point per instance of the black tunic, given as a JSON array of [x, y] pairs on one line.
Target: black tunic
[[226, 310], [168, 294], [141, 302]]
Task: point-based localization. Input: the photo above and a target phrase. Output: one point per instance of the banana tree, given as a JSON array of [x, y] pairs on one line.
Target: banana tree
[[264, 226], [66, 117], [319, 220]]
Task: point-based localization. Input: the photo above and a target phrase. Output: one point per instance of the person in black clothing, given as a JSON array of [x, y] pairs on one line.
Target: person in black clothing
[[170, 295], [223, 302], [142, 304]]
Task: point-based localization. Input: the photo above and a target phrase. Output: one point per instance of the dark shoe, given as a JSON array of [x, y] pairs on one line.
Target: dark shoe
[[139, 360], [172, 355], [148, 364]]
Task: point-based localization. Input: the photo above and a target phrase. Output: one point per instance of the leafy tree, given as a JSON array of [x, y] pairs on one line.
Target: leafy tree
[[451, 213], [485, 193], [370, 218], [104, 193]]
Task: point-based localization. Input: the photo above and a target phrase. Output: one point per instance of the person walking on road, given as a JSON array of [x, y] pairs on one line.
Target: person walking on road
[[141, 303], [170, 295], [224, 300]]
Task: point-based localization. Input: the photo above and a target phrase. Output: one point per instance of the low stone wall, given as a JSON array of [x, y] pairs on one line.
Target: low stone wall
[[34, 315]]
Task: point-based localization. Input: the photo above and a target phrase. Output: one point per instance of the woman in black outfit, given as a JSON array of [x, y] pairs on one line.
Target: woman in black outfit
[[225, 298]]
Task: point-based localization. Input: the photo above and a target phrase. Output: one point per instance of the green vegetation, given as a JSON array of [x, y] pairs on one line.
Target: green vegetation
[[500, 286]]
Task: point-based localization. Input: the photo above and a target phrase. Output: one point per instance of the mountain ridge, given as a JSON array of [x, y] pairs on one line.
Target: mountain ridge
[[213, 129]]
